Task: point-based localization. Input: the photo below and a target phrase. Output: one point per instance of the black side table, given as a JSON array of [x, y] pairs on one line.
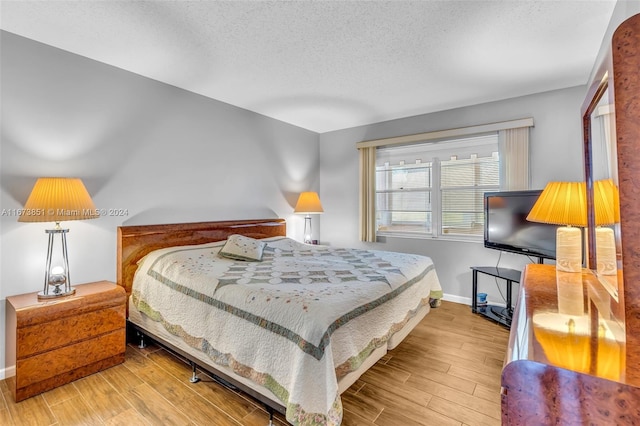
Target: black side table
[[499, 314]]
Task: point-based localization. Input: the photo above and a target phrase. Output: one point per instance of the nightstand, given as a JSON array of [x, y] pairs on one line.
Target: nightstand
[[57, 341]]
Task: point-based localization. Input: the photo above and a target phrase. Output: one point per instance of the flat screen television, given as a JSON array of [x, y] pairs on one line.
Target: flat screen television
[[506, 227]]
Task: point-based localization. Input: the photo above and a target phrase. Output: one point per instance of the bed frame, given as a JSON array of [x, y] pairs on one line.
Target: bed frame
[[134, 242]]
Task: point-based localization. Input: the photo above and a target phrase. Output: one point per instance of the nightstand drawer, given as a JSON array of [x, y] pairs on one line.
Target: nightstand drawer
[[63, 332], [54, 363]]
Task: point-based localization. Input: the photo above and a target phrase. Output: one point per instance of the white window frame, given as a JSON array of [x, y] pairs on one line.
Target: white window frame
[[435, 153], [514, 162]]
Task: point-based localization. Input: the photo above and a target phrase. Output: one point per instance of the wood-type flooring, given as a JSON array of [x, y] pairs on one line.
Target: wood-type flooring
[[446, 372]]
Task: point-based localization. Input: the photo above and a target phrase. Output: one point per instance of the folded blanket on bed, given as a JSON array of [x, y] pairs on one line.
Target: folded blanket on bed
[[295, 321]]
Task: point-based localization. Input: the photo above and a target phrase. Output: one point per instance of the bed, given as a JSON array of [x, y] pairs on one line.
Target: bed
[[292, 325]]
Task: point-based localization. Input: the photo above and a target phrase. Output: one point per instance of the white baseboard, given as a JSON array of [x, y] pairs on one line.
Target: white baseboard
[[456, 299], [7, 372]]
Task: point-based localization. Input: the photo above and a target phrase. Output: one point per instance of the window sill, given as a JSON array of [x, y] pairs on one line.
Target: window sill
[[455, 238]]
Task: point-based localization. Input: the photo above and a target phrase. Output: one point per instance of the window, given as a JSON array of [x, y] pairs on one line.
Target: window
[[432, 184], [436, 188]]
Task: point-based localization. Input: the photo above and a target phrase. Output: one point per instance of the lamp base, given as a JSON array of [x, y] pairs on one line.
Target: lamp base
[[59, 280], [56, 293], [568, 249], [606, 251], [307, 230]]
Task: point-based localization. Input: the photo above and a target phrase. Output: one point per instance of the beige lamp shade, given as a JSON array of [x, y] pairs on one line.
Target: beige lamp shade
[[564, 203], [308, 203], [606, 200], [57, 200], [561, 203]]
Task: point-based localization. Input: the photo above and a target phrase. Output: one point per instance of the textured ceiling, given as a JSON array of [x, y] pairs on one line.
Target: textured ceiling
[[327, 65]]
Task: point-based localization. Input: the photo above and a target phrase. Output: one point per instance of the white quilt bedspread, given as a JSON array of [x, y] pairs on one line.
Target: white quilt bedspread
[[294, 322]]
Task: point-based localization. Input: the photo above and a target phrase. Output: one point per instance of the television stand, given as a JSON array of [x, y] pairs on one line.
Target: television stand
[[499, 314]]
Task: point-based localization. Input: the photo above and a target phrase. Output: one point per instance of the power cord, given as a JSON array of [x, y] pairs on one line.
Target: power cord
[[495, 279], [504, 299]]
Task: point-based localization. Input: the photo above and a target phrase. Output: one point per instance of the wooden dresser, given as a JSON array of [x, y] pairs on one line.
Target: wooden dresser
[[54, 342], [567, 360]]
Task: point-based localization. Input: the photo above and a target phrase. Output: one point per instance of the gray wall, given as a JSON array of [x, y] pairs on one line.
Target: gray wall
[[164, 154], [556, 154]]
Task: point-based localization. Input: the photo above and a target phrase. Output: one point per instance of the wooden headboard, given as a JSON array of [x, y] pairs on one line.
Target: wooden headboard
[[134, 242]]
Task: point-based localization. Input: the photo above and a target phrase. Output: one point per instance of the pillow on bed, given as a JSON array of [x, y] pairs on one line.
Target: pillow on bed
[[239, 247]]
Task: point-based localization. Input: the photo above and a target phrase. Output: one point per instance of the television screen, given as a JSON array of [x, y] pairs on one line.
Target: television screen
[[506, 226]]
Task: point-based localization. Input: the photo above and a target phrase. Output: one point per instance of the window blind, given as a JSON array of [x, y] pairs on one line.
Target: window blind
[[433, 183], [436, 188]]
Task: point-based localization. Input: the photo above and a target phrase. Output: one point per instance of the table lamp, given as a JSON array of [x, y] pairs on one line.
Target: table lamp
[[564, 203], [308, 204], [606, 202], [55, 200]]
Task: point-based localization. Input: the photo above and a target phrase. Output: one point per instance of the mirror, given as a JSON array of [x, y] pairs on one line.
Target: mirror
[[604, 164], [604, 251]]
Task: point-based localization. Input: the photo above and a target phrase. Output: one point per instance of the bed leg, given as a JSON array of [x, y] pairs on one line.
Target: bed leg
[[270, 411], [194, 377], [142, 344]]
